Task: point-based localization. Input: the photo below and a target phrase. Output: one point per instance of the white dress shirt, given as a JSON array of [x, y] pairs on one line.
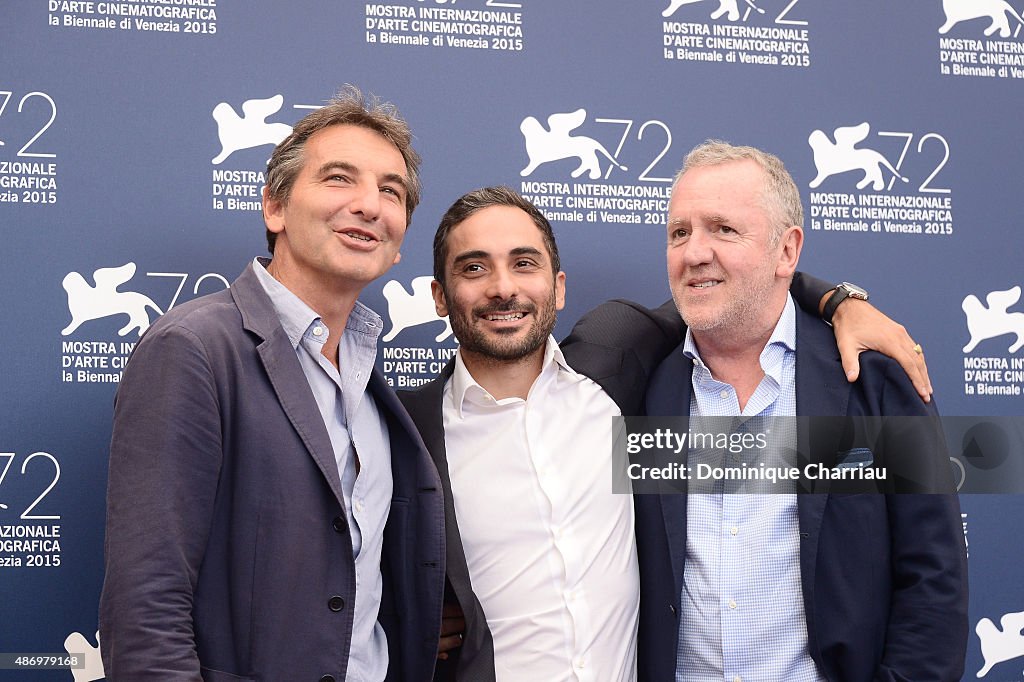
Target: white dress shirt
[[550, 548]]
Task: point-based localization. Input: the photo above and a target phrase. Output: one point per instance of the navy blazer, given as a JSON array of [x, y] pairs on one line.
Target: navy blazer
[[228, 553], [885, 603]]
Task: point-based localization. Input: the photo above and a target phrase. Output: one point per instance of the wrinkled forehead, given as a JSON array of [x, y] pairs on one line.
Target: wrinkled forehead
[[720, 188]]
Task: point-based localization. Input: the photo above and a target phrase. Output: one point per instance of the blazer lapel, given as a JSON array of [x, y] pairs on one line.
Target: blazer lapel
[[286, 375], [669, 395], [821, 391]]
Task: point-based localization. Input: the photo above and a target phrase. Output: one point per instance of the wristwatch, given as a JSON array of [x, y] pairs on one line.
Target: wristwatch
[[840, 294]]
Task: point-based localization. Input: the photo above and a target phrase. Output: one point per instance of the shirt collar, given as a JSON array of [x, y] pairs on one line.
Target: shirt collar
[[296, 317], [782, 341], [465, 388]]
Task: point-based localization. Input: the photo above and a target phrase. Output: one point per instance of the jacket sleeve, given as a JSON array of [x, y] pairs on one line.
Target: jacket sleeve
[[165, 458], [807, 291], [927, 632], [645, 336]]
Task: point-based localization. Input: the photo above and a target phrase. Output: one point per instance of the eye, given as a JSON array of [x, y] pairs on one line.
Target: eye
[[725, 229], [525, 263], [678, 234], [392, 191]]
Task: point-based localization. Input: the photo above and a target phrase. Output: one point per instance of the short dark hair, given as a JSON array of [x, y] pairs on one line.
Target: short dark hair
[[347, 107], [477, 200]]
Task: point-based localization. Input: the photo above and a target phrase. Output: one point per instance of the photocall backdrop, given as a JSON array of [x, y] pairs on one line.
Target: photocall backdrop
[[134, 136]]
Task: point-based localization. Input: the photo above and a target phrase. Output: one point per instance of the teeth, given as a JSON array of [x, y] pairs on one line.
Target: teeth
[[360, 237], [505, 318], [704, 285]]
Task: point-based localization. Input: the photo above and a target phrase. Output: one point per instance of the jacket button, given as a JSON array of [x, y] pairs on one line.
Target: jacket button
[[339, 524], [672, 608], [335, 603], [327, 678]]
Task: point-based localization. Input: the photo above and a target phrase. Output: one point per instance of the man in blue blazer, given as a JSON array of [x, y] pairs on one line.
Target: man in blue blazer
[[796, 587], [272, 512]]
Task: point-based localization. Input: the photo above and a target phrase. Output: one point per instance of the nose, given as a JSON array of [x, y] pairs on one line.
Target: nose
[[366, 201], [501, 284], [698, 249]]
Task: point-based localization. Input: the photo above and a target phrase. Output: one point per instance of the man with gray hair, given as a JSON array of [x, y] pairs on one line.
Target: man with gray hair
[[272, 513], [785, 586]]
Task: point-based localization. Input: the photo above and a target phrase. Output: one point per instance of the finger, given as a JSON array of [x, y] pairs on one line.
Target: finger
[[448, 643], [923, 367], [912, 363], [850, 356]]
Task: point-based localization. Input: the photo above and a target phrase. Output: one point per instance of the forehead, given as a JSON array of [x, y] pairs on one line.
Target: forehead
[[496, 230], [355, 145], [729, 186]]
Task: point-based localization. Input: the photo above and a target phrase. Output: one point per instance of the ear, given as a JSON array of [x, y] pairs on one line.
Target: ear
[[273, 212], [559, 290], [440, 304], [398, 257], [790, 245]]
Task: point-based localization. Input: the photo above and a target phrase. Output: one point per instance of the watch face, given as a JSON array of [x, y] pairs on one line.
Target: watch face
[[855, 291]]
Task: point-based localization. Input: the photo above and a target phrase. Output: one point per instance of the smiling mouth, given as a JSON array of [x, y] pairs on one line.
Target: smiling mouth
[[360, 236], [706, 285], [504, 317]]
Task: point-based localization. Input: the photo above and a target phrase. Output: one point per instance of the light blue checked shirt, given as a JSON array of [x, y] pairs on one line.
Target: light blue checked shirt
[[741, 608], [357, 432]]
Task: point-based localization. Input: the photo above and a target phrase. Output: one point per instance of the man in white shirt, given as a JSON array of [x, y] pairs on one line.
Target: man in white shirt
[[541, 556]]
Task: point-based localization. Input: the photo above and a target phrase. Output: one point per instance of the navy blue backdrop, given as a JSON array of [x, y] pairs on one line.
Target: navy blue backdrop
[[133, 136]]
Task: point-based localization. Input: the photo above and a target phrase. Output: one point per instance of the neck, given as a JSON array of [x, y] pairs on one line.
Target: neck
[[332, 302], [504, 378], [734, 359]]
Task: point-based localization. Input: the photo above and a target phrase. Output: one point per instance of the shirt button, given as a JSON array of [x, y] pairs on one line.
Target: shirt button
[[339, 524], [737, 679], [724, 394], [580, 663], [335, 603], [734, 530], [318, 331], [732, 603], [359, 505]]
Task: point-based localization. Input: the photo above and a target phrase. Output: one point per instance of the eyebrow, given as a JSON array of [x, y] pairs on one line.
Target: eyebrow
[[336, 165], [396, 178], [480, 253], [709, 218]]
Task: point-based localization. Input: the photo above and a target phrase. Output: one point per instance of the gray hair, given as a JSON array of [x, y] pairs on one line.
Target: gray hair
[[780, 195]]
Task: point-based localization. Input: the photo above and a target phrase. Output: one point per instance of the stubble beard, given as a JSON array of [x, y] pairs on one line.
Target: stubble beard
[[738, 316], [502, 347]]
